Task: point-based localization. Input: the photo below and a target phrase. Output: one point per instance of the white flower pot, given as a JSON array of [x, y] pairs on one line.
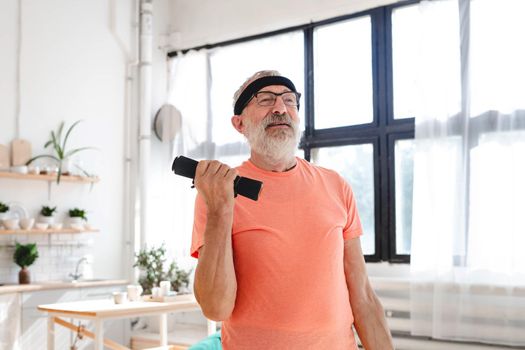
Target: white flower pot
[[46, 219], [76, 223], [67, 166]]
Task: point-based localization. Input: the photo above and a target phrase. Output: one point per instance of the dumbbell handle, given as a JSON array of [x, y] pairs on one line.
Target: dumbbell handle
[[244, 186]]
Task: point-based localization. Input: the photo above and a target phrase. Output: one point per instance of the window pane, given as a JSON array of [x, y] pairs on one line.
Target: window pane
[[404, 59], [425, 59], [498, 52], [404, 159], [343, 74], [496, 202], [356, 164], [232, 65]]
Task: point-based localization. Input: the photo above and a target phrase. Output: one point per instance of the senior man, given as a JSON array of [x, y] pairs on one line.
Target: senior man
[[286, 271]]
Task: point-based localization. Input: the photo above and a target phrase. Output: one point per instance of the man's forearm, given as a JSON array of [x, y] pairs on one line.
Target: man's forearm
[[215, 282], [371, 325], [369, 317]]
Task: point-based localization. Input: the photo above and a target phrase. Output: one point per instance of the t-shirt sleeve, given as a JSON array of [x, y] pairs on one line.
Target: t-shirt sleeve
[[199, 225], [353, 226]]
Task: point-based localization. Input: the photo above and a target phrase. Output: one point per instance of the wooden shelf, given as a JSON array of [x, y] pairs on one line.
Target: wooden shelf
[[48, 177], [49, 230]]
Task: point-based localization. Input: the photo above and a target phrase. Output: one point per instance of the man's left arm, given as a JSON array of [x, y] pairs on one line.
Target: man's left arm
[[369, 317]]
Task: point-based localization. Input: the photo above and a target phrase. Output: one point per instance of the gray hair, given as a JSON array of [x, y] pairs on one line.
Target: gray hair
[[259, 74]]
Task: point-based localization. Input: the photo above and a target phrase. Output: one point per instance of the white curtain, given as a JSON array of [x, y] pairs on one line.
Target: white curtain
[[171, 197], [468, 238]]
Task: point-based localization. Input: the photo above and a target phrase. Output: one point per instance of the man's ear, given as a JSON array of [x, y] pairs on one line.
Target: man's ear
[[237, 123]]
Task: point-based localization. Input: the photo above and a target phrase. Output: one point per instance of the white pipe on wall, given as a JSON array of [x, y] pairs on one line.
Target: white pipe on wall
[[130, 55], [18, 88], [145, 73], [130, 166]]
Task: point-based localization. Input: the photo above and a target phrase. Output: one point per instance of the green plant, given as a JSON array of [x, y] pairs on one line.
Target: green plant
[[25, 254], [151, 263], [47, 211], [4, 208], [77, 213], [59, 146]]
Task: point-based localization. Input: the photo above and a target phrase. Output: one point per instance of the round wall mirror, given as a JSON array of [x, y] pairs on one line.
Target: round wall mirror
[[167, 123]]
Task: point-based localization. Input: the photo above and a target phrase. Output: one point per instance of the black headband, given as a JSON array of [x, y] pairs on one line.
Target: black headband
[[257, 85]]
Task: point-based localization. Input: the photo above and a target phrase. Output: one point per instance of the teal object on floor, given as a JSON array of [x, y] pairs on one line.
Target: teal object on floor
[[213, 342]]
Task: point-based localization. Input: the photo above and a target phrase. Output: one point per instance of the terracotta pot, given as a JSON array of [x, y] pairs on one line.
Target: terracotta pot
[[24, 276]]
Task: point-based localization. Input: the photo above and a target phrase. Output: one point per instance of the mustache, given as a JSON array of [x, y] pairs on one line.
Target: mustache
[[276, 118]]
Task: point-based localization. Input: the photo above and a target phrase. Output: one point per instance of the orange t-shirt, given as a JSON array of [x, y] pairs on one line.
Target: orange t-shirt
[[288, 256]]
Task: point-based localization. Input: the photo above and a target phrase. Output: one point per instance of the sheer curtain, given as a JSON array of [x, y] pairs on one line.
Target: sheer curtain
[[171, 198], [468, 240]]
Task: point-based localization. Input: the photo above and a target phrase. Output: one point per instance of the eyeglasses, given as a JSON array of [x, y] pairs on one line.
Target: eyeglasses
[[267, 98]]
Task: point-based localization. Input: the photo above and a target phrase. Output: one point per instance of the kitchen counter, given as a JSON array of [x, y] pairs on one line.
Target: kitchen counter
[[49, 285]]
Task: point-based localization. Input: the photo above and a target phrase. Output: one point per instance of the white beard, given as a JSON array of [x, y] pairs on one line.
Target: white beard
[[276, 145]]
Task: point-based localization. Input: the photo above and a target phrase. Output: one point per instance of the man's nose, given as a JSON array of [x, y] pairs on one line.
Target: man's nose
[[279, 106]]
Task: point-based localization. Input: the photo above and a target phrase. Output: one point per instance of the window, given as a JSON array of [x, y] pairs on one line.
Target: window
[[356, 76], [496, 40], [343, 73]]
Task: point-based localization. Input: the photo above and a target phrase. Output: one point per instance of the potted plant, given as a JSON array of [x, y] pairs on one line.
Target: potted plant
[[61, 155], [4, 208], [152, 263], [46, 214], [24, 256], [76, 216]]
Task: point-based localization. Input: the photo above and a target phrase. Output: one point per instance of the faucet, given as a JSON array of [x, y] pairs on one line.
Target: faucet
[[77, 275]]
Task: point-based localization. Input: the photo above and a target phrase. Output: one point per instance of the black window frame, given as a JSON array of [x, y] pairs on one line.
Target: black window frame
[[381, 132]]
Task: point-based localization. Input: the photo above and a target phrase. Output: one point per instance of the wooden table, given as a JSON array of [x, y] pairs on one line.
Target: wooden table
[[100, 310]]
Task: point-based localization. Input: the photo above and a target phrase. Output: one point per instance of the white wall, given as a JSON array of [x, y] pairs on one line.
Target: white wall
[[200, 22], [72, 67]]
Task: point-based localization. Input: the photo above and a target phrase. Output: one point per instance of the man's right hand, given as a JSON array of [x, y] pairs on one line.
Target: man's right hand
[[214, 181]]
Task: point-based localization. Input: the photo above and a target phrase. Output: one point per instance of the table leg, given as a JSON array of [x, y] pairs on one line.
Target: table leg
[[50, 332], [99, 334], [163, 329]]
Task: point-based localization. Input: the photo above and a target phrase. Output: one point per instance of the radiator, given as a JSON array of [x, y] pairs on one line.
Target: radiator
[[395, 297]]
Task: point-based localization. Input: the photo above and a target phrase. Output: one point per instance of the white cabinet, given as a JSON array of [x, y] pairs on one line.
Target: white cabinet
[[9, 320], [34, 322]]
